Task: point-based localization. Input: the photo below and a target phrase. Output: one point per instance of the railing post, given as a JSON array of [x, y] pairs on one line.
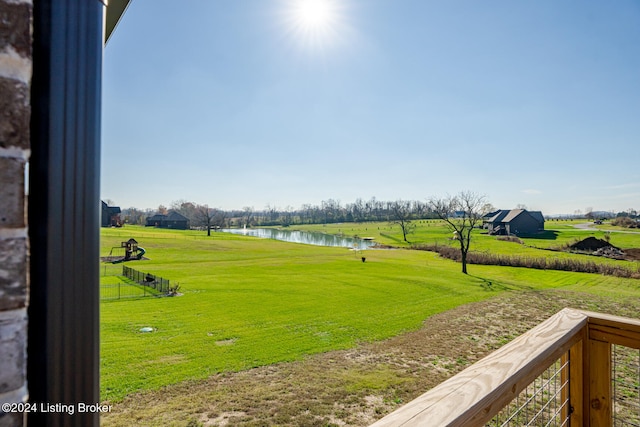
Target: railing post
[[599, 383], [573, 395]]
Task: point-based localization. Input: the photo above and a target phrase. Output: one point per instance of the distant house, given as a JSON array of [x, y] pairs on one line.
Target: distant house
[[514, 221], [172, 220], [110, 216]]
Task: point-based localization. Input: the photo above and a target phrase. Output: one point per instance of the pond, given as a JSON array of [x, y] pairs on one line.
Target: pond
[[306, 237]]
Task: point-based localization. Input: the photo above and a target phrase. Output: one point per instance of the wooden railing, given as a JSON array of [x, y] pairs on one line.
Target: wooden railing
[[578, 341]]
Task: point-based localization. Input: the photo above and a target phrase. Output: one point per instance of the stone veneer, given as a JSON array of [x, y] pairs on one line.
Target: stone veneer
[[15, 77]]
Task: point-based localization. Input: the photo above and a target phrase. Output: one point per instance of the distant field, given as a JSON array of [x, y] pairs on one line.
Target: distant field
[[556, 235], [248, 302]]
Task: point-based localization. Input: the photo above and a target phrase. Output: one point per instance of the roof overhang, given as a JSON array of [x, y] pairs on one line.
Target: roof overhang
[[115, 10]]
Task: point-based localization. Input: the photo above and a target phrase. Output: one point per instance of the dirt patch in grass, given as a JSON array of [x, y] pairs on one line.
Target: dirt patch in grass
[[591, 244], [599, 247], [632, 254], [358, 386]]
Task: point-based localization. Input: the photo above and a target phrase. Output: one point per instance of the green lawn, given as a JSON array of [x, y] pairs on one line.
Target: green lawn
[[248, 302]]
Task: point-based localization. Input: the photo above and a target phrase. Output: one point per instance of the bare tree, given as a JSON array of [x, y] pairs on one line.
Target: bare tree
[[487, 208], [134, 216], [461, 213], [247, 215], [401, 214], [185, 208], [204, 216], [219, 218], [272, 213]]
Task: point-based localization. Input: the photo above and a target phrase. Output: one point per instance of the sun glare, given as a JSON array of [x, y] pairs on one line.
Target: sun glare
[[315, 24], [313, 14]]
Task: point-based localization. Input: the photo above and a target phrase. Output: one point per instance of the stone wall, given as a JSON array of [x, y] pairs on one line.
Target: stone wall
[[15, 76]]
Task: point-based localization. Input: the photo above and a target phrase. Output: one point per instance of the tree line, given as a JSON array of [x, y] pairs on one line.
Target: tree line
[[327, 212]]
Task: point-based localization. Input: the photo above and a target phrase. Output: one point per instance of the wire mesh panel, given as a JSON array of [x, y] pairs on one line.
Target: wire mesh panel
[[157, 283], [123, 290], [544, 402], [109, 269], [625, 377], [123, 282]]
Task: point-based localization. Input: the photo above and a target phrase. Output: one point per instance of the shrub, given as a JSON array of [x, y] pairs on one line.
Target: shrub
[[562, 264], [625, 221], [513, 239]]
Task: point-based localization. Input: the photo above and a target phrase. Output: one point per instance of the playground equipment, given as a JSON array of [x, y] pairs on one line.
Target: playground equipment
[[130, 247]]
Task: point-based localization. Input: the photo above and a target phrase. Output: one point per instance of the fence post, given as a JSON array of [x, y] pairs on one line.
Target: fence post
[[573, 395], [599, 383]]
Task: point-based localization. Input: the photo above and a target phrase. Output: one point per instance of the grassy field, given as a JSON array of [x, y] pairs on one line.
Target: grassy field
[[250, 302], [557, 235], [358, 386]]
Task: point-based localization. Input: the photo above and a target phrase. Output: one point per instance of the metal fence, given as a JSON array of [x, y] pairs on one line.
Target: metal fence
[[625, 380], [576, 367], [544, 402], [152, 281], [130, 283]]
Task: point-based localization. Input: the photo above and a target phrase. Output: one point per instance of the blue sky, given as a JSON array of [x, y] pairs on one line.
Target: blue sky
[[239, 103]]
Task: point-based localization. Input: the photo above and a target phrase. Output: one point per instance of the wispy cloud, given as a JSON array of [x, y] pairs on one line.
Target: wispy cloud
[[531, 191], [622, 186]]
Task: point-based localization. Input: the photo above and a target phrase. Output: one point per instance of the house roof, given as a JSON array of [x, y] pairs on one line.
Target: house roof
[[537, 215], [115, 10], [498, 216], [175, 216], [157, 217], [490, 215], [505, 216], [512, 214], [111, 209]]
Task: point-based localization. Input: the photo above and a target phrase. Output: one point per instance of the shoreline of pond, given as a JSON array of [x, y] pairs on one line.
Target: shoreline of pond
[[307, 237]]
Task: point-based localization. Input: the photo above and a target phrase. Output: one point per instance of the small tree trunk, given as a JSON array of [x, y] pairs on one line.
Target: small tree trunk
[[464, 262], [463, 253]]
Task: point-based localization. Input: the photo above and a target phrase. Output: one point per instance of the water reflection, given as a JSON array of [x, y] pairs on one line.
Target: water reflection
[[309, 238]]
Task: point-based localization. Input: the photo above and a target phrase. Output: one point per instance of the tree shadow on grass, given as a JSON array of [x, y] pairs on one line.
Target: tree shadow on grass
[[492, 285], [543, 235], [395, 239]]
